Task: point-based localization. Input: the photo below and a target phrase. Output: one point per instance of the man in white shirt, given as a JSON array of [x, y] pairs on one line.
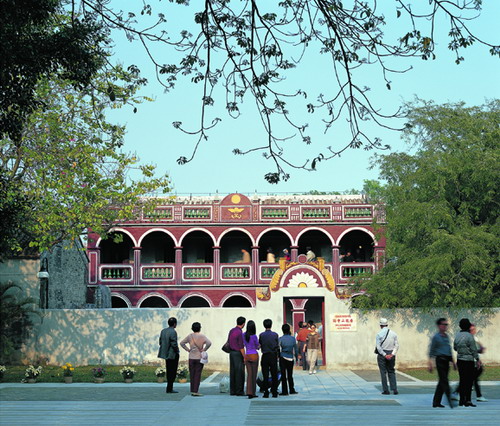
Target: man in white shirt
[[387, 345], [310, 255]]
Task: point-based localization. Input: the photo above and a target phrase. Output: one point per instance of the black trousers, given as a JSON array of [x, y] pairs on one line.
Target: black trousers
[[478, 372], [236, 373], [171, 365], [443, 386], [466, 371], [303, 354], [387, 369], [269, 363], [286, 368]]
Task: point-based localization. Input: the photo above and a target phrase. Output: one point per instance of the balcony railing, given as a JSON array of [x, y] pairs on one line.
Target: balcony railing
[[232, 272], [116, 272], [197, 273], [267, 271], [157, 272], [351, 270]]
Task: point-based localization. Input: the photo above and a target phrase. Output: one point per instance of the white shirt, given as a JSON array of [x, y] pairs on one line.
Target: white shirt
[[390, 343]]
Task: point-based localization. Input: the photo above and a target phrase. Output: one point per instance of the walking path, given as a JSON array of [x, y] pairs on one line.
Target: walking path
[[329, 397]]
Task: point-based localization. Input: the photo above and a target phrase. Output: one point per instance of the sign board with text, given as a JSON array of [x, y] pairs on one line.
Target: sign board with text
[[344, 322]]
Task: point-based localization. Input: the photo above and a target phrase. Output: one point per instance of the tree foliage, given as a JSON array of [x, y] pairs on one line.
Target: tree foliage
[[70, 162], [442, 207], [248, 48], [17, 315]]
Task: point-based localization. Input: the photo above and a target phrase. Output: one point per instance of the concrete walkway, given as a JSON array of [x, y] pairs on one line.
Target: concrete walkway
[[329, 397]]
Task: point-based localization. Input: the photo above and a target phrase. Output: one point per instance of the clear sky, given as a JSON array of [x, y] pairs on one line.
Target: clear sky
[[151, 135]]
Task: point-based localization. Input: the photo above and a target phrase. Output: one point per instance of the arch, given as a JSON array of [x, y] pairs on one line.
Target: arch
[[157, 247], [154, 294], [98, 244], [235, 229], [157, 230], [318, 240], [206, 231], [359, 242], [313, 228], [122, 297], [275, 229], [294, 270], [197, 247], [194, 294], [357, 228], [117, 253], [237, 294]]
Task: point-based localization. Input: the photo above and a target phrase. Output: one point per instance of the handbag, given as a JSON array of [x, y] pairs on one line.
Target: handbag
[[226, 348], [381, 343]]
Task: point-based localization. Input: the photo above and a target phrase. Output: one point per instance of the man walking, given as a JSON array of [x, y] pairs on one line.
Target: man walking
[[440, 351], [236, 357], [301, 341], [269, 345], [169, 351], [387, 345]]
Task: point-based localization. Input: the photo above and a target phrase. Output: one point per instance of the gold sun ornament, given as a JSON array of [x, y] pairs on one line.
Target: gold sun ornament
[[302, 280]]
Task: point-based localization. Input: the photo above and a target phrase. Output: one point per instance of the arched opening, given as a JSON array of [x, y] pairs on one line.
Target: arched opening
[[275, 241], [360, 246], [231, 246], [117, 248], [154, 302], [118, 302], [236, 301], [197, 247], [195, 302], [319, 242], [158, 247]]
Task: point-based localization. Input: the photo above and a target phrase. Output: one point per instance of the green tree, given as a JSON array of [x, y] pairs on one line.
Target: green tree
[[69, 160], [442, 207], [244, 50]]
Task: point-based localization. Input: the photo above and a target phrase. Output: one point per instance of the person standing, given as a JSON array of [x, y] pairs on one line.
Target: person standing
[[440, 351], [310, 255], [270, 348], [312, 347], [387, 345], [288, 353], [236, 358], [169, 351], [198, 343], [301, 341], [479, 370], [467, 361], [271, 258], [252, 347]]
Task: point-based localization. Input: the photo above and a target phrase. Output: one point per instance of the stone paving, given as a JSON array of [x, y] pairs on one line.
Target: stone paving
[[329, 397]]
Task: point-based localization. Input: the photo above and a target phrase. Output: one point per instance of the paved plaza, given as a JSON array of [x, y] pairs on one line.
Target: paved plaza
[[329, 397]]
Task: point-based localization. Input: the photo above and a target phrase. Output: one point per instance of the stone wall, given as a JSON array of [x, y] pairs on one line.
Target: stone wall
[[122, 336]]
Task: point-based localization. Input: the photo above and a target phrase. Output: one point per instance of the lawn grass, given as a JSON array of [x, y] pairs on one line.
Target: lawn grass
[[54, 374], [491, 372]]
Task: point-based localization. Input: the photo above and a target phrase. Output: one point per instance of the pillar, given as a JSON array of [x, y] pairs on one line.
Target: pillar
[[94, 262], [336, 263], [178, 265], [255, 264], [378, 257], [216, 276], [136, 267], [294, 253], [298, 312]]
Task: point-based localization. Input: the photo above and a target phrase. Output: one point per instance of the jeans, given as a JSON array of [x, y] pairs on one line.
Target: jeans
[[303, 354], [387, 369], [443, 386], [236, 373], [171, 366], [269, 363], [195, 369], [286, 376]]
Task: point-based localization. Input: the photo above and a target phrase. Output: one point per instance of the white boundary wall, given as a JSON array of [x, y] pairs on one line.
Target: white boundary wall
[[129, 336]]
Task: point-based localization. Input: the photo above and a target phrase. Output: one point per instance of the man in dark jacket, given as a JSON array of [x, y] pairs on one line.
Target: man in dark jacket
[[269, 346], [169, 351]]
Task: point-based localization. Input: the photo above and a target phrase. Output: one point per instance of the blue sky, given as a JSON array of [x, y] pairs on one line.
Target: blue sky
[[151, 135]]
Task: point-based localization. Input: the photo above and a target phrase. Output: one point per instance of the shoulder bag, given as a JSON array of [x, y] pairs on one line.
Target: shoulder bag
[[381, 343], [226, 348]]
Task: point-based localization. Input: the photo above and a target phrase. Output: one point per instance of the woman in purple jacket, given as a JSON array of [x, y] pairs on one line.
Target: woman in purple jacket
[[251, 342]]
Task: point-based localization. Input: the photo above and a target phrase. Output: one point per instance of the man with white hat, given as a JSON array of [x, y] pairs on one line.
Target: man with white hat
[[387, 345]]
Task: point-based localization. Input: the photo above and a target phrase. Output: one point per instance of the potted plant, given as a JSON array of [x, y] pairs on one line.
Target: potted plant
[[160, 374], [31, 373], [68, 372], [182, 374], [98, 373], [2, 371], [128, 373]]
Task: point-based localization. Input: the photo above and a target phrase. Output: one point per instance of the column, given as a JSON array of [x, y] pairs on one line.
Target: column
[[336, 263], [379, 257], [298, 312], [216, 276], [94, 262], [294, 252], [136, 267], [178, 265], [255, 264]]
